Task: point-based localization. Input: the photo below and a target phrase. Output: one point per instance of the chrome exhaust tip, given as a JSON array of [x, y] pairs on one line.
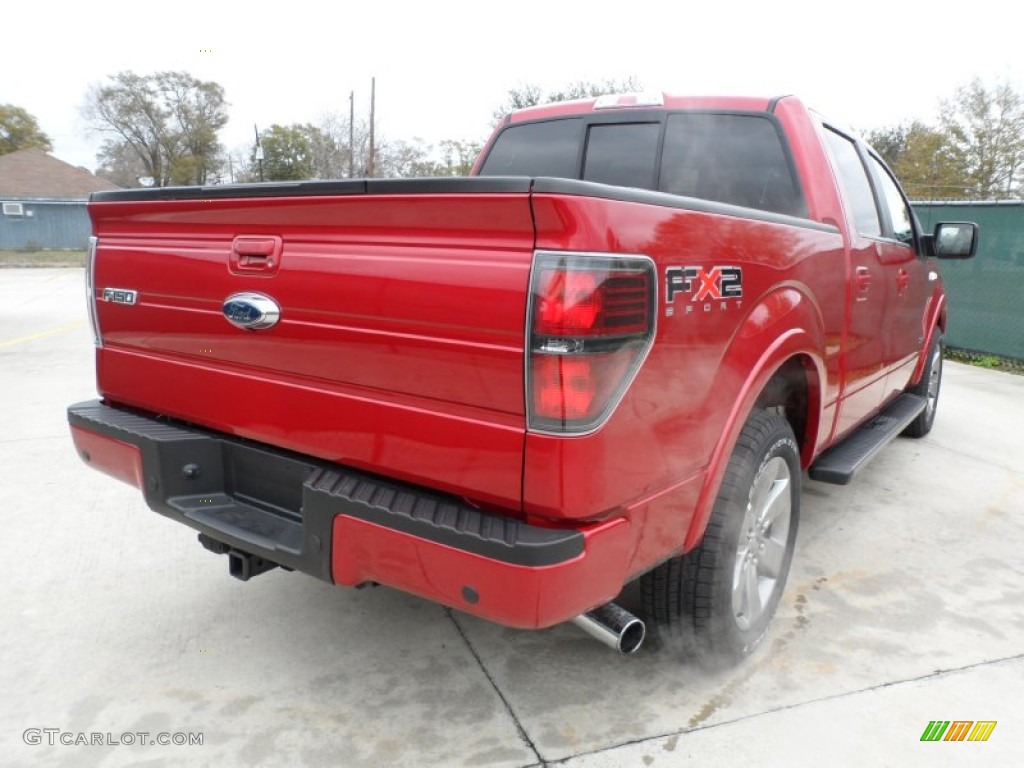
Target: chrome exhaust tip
[[614, 626]]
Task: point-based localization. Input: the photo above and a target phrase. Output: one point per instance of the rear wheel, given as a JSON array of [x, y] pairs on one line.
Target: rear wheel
[[716, 601], [928, 387]]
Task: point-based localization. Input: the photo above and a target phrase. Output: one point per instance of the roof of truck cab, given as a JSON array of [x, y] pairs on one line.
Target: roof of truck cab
[[583, 106]]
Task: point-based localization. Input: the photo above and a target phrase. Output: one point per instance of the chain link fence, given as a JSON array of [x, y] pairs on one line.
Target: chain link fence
[[986, 293]]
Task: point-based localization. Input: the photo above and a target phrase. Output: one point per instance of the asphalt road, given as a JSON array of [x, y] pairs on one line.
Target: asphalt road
[[905, 605]]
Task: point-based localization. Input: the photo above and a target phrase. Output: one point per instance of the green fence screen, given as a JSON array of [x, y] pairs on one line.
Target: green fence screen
[[986, 293]]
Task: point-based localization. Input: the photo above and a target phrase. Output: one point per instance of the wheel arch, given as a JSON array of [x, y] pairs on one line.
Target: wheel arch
[[788, 373], [795, 389], [934, 322]]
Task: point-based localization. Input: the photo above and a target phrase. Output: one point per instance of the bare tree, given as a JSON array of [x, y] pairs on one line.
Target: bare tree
[[170, 120], [120, 164], [331, 155], [529, 95], [986, 126]]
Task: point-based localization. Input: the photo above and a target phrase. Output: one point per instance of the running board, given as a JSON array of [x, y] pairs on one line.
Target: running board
[[842, 461]]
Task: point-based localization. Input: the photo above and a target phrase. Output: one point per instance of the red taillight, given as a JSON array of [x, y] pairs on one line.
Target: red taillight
[[563, 387], [591, 304], [591, 325], [567, 301], [576, 388]]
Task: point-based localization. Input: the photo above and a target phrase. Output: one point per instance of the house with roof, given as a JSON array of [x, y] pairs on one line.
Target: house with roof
[[43, 202]]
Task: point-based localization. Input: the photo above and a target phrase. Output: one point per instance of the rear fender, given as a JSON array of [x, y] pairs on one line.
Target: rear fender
[[784, 325]]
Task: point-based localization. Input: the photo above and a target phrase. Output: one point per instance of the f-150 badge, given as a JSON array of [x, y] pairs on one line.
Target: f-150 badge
[[705, 287], [252, 311], [120, 295]]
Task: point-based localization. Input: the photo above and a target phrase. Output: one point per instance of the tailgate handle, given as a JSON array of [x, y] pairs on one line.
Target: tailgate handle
[[256, 253]]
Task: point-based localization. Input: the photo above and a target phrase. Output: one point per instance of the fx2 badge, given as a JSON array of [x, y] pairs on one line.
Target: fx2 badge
[[703, 289]]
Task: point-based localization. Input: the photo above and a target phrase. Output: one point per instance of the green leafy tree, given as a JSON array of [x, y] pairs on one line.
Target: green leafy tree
[[416, 158], [198, 111], [889, 141], [986, 126], [20, 130], [459, 156], [407, 159], [530, 95], [924, 159], [328, 155], [169, 120], [322, 150], [287, 152]]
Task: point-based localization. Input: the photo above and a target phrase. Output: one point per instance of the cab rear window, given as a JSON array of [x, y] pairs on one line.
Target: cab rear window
[[732, 158], [537, 149], [622, 154]]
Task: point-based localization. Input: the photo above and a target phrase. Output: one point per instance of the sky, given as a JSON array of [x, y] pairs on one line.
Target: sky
[[442, 67]]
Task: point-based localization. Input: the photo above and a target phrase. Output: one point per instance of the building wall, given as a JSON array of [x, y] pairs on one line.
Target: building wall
[[45, 225]]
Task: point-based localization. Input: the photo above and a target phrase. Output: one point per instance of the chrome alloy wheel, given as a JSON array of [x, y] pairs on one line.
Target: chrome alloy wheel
[[761, 549]]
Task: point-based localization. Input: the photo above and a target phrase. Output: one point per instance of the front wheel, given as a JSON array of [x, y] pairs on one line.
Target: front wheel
[[716, 601], [928, 388]]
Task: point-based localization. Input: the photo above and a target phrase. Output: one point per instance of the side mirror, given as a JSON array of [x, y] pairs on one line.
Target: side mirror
[[953, 240]]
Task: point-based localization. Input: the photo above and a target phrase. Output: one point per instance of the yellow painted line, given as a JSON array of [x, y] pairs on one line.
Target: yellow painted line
[[41, 335]]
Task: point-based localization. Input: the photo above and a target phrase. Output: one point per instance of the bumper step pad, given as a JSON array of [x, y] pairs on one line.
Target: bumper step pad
[[445, 520]]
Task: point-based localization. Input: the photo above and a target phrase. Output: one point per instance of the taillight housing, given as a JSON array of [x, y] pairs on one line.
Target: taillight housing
[[90, 290], [590, 324]]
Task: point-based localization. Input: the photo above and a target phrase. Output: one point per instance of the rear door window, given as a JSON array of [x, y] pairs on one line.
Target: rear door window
[[855, 183], [736, 159], [899, 211]]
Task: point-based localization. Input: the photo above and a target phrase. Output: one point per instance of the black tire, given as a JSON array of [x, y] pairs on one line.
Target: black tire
[[928, 387], [689, 600]]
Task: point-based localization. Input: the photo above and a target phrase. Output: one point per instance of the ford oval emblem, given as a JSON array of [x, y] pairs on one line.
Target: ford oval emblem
[[252, 311]]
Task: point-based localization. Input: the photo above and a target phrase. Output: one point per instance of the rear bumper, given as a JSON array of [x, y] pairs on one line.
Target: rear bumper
[[349, 527]]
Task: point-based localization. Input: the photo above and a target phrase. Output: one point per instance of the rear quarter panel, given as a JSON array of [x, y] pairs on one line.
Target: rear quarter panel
[[652, 458]]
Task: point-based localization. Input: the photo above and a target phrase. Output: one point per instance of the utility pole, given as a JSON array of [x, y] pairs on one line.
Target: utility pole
[[351, 134], [373, 99], [259, 150]]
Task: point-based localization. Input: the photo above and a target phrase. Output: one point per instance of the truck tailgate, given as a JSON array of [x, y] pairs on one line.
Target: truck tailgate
[[399, 348]]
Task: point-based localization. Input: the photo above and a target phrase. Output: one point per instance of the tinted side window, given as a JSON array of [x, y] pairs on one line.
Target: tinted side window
[[623, 154], [899, 213], [737, 159], [536, 149], [855, 182]]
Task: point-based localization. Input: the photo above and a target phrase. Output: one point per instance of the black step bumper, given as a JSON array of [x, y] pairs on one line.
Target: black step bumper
[[282, 507]]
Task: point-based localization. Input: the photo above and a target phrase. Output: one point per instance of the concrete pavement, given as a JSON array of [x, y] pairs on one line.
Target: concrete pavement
[[903, 606]]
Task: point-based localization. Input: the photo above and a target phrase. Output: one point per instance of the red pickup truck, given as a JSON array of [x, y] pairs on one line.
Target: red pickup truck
[[611, 355]]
